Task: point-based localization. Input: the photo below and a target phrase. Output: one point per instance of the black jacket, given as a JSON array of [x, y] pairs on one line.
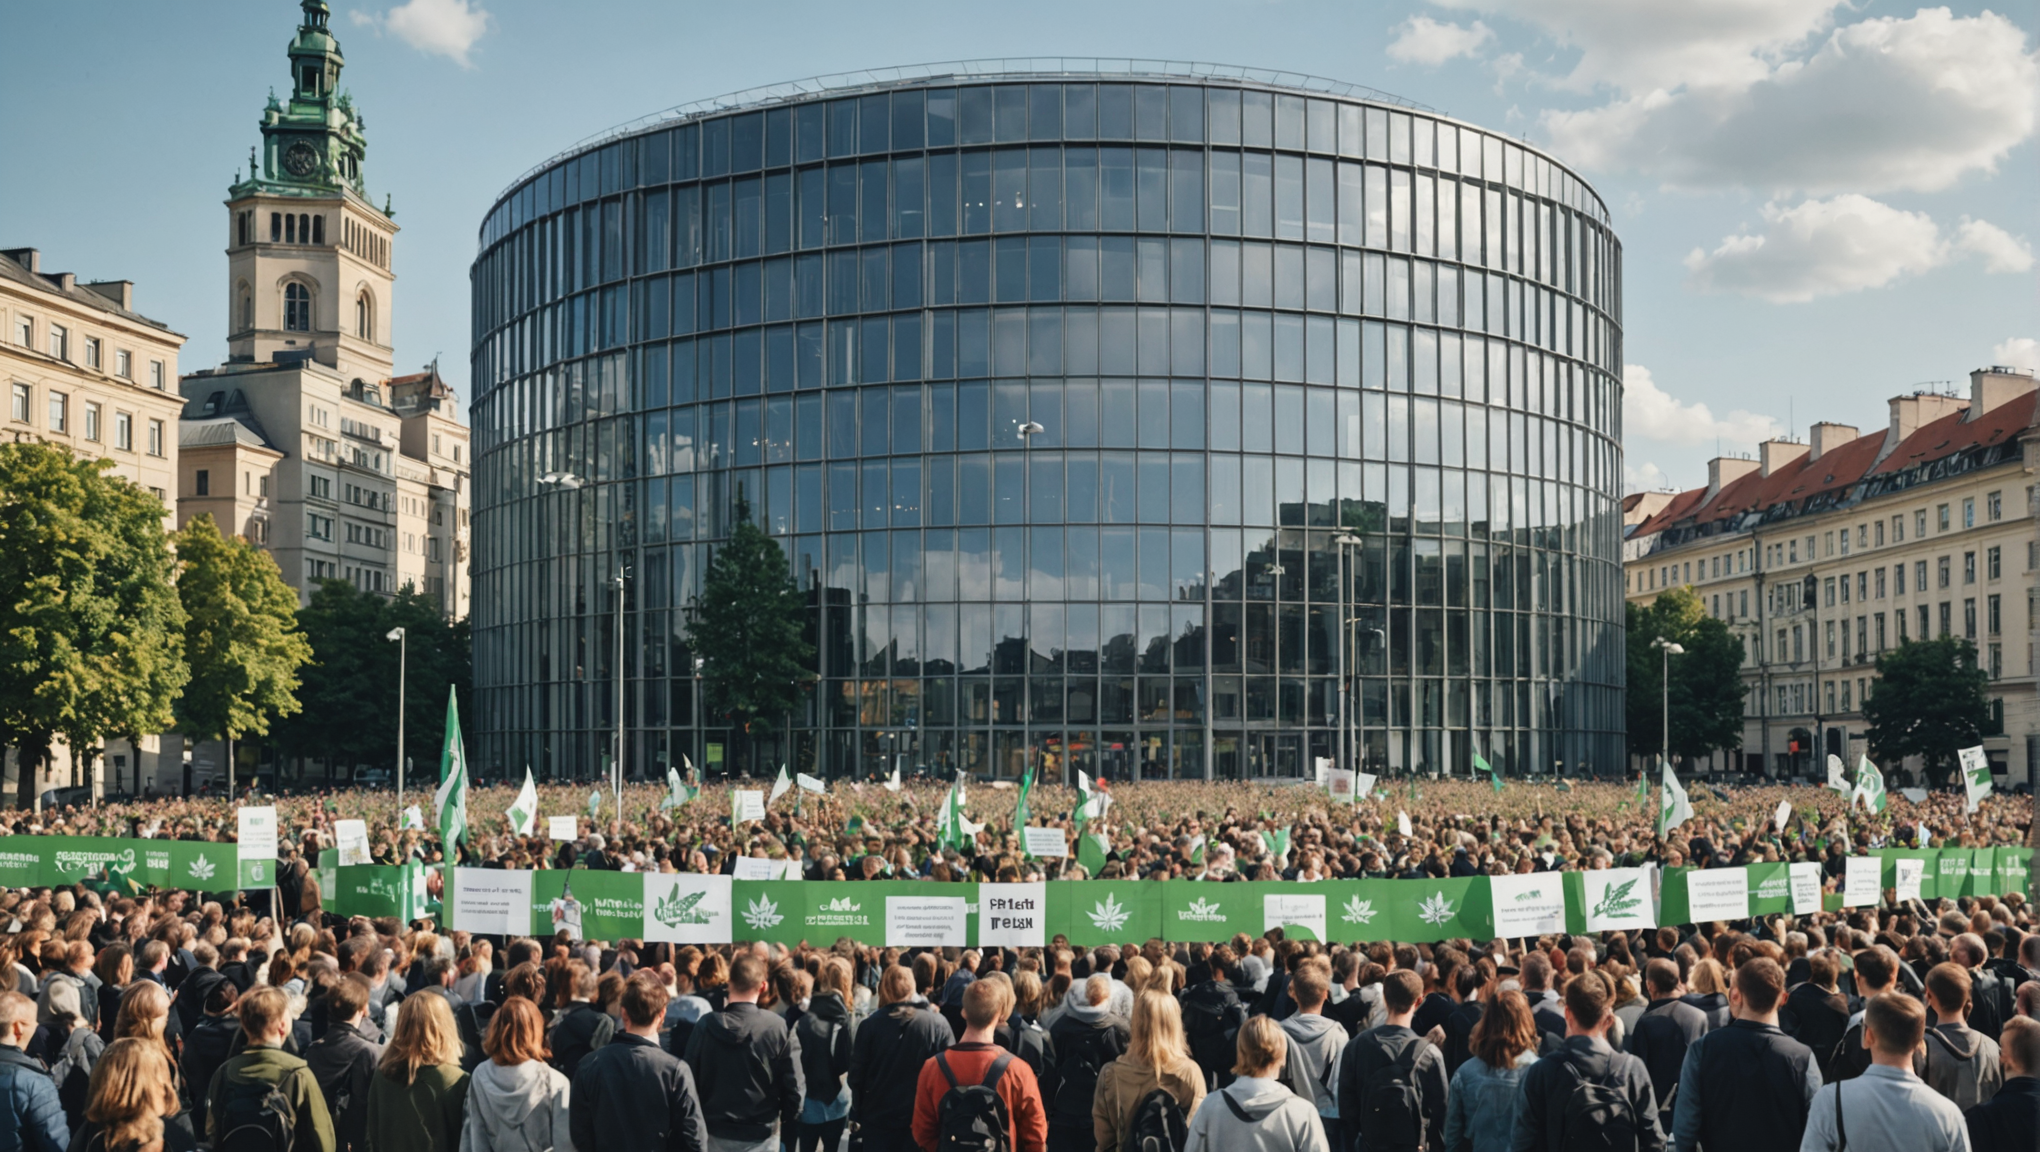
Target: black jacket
[[580, 1029], [2010, 1122], [342, 1061], [1660, 1039], [747, 1066], [1459, 1034], [1384, 1045], [189, 1006], [630, 1095], [206, 1047], [1549, 1082], [1816, 1018], [886, 1059], [1752, 1081], [826, 1038], [1212, 1015], [1098, 1035], [1713, 1005]]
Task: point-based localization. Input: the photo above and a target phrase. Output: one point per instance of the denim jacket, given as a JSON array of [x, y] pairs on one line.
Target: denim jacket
[[1480, 1111]]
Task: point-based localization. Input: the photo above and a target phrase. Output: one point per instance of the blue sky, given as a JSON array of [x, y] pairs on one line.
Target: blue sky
[[1822, 205]]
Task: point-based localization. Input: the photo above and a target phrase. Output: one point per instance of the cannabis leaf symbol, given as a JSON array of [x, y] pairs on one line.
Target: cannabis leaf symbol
[[1203, 907], [1435, 909], [677, 909], [1617, 901], [1110, 915], [201, 868], [762, 913], [1359, 911]]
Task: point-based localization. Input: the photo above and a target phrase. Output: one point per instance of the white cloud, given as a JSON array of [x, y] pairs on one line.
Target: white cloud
[[1641, 45], [1650, 412], [446, 28], [2018, 352], [1843, 244], [1643, 477], [1422, 40]]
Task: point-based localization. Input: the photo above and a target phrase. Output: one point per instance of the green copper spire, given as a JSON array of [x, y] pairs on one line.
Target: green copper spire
[[313, 141]]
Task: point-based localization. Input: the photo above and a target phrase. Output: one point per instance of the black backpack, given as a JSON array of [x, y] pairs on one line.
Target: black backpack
[[1391, 1104], [1157, 1124], [1076, 1078], [1597, 1115], [255, 1117], [972, 1117], [1211, 1025]]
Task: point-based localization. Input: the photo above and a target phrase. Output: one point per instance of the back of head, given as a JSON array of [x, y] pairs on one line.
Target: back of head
[[1097, 989], [1875, 968], [1708, 977], [644, 1000], [1400, 991], [747, 975], [2019, 1044], [1948, 985], [15, 1008], [1895, 1023], [985, 1002], [1260, 1048], [895, 985], [1310, 985], [1761, 983], [130, 1091], [1662, 976], [1823, 969], [1536, 972], [1158, 1030], [516, 1033], [1586, 999], [585, 982], [347, 997], [263, 1010], [1505, 1030], [426, 1036]]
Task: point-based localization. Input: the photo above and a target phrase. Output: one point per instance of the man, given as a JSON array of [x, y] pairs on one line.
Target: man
[[1818, 1011], [237, 1097], [1990, 998], [952, 992], [1348, 1006], [1745, 1087], [886, 1059], [581, 1027], [1316, 1042], [198, 984], [1550, 1085], [1962, 1063], [209, 1043], [1667, 1028], [746, 1062], [343, 1060], [1876, 972], [1545, 1007], [977, 1061], [1086, 1037], [2011, 1121], [1212, 1015], [628, 1095], [1393, 1051], [1470, 982], [31, 1120], [1887, 1108]]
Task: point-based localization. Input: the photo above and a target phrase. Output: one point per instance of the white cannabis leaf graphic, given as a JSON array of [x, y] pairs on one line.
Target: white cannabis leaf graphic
[[762, 913], [1110, 915], [201, 868], [1435, 909], [1359, 911]]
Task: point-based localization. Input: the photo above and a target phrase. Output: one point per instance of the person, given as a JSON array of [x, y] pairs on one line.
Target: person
[[1212, 1015], [1817, 1010], [1962, 1063], [133, 1093], [417, 1099], [344, 1059], [1709, 993], [1487, 1089], [1023, 1034], [1990, 997], [1545, 1006], [1255, 1113], [1156, 1058], [1553, 1087], [1887, 1108], [827, 1038], [516, 1101], [1470, 982], [975, 1061], [632, 1096], [31, 1119], [1746, 1086], [209, 1043], [886, 1059], [114, 968], [237, 1100], [1876, 972], [2010, 1122], [70, 1047], [1316, 1042], [1381, 1061], [75, 973], [582, 1026], [1664, 1032], [747, 1067]]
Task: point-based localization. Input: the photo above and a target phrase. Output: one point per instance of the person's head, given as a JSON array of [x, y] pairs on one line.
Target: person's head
[[144, 1013], [17, 1019], [1157, 1030], [896, 985], [644, 1002], [516, 1033], [747, 978], [223, 999], [130, 1092], [1759, 985], [1097, 989], [115, 966], [1505, 1030], [1892, 1025], [347, 998], [2019, 1047], [1875, 969], [1662, 977], [1260, 1049], [1400, 991], [1310, 987], [426, 1036], [1948, 991], [985, 1003], [836, 976], [1586, 1006], [1536, 972], [265, 1015], [1027, 993], [1823, 969], [1708, 977]]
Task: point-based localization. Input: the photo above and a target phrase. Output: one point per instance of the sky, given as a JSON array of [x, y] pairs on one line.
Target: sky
[[1822, 204]]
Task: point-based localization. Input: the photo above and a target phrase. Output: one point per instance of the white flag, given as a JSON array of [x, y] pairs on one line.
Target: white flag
[[1783, 814], [1838, 776], [1673, 807], [809, 783], [413, 818], [524, 811], [893, 784], [1363, 784], [780, 787], [1976, 782], [1402, 822]]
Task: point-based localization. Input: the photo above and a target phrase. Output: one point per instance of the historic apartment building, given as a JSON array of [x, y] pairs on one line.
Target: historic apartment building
[[1822, 555]]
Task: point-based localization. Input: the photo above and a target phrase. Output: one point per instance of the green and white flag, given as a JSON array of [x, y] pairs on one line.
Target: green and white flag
[[523, 812], [1021, 814], [1673, 807], [1838, 776], [951, 823], [676, 790], [1869, 786], [892, 783], [780, 787], [451, 799], [1482, 767], [1976, 781], [594, 803], [1277, 844], [1096, 800]]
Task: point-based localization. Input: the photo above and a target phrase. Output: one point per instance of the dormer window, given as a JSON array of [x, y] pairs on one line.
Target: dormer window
[[311, 80]]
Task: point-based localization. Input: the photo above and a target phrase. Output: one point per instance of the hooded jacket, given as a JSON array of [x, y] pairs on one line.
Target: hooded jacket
[[342, 1061], [1278, 1121], [581, 1028], [30, 1118], [1125, 1083], [827, 1037], [1962, 1064], [516, 1108], [747, 1068], [1315, 1043], [886, 1059], [1082, 1029]]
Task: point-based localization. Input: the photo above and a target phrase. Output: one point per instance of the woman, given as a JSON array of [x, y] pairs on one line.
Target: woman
[[474, 972], [1487, 1090], [1259, 1114], [1157, 1057], [516, 1102], [1710, 992], [825, 1034], [418, 1093], [114, 967], [131, 1094]]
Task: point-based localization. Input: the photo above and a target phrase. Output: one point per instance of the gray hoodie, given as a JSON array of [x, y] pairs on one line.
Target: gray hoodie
[[519, 1108], [1277, 1121], [1962, 1064], [1315, 1044]]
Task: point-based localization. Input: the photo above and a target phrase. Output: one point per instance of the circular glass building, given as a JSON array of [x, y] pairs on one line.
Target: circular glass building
[[1151, 420]]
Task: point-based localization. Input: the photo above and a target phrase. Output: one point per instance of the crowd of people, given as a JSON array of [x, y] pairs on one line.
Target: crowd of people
[[132, 1022]]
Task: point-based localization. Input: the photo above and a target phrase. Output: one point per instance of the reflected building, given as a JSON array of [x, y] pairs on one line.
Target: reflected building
[[1328, 402]]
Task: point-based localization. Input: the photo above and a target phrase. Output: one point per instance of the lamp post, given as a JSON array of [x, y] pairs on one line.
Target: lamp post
[[403, 667], [1666, 650], [1347, 667]]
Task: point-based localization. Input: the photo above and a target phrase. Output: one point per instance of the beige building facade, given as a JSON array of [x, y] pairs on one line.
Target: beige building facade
[[1823, 554]]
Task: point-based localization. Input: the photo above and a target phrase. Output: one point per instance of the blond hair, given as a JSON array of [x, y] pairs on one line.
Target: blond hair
[[130, 1092], [1157, 1031], [426, 1036], [1708, 976], [1261, 1049]]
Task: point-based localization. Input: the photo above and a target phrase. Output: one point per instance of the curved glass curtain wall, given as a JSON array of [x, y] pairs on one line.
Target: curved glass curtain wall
[[1250, 322]]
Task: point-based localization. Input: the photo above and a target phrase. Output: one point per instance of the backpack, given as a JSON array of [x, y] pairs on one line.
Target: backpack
[[1597, 1116], [1211, 1025], [1076, 1080], [72, 1070], [1157, 1124], [1391, 1104], [972, 1117], [255, 1117]]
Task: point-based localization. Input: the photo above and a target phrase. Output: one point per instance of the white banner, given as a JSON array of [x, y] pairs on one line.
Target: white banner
[[1046, 843], [1339, 785], [496, 901], [1718, 894], [1013, 915], [809, 783], [1805, 880], [1782, 815], [1363, 785], [1862, 882], [688, 908], [1976, 781], [1323, 764], [563, 827], [257, 840], [750, 804], [351, 838], [1290, 911], [1617, 900], [926, 922], [1906, 882], [752, 868], [1528, 904]]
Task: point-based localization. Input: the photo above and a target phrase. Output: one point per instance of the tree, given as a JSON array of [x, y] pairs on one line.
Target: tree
[[91, 630], [241, 636], [746, 625], [1706, 700], [1927, 701]]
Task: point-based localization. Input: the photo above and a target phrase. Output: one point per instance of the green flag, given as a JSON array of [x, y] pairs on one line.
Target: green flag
[[950, 822], [523, 812], [1277, 843], [1091, 853], [451, 799], [1480, 765], [1869, 786], [1020, 812], [1197, 849]]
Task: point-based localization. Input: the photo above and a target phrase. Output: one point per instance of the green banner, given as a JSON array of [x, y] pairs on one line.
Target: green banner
[[612, 904], [1951, 874], [1770, 888], [1091, 912], [377, 891], [52, 861], [1672, 905], [1930, 879], [2014, 870], [1442, 909]]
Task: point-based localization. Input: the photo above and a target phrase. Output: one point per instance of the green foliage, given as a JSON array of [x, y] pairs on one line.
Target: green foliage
[[1707, 691], [91, 630], [240, 635], [746, 625], [1928, 700]]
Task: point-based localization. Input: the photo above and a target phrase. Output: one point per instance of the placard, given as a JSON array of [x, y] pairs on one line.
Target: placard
[[927, 921], [496, 901], [1908, 873], [1363, 785], [1046, 843], [1339, 785], [1718, 894], [750, 804], [563, 827], [809, 783], [688, 908], [1617, 900], [1806, 879], [752, 868], [412, 819], [1862, 881], [1528, 904], [1300, 915], [351, 838], [1012, 915], [255, 846]]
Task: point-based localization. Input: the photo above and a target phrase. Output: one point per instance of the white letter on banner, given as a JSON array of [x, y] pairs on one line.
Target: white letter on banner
[[1528, 905], [1013, 915], [1618, 899], [926, 922], [1805, 888], [1718, 894], [1862, 881], [496, 901], [687, 908]]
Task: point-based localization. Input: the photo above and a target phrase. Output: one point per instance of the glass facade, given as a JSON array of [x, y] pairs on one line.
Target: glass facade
[[1329, 408]]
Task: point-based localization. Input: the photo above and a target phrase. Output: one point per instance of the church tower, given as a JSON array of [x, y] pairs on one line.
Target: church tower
[[308, 254]]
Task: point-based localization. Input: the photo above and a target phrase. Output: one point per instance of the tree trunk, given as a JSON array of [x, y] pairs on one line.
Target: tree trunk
[[29, 756]]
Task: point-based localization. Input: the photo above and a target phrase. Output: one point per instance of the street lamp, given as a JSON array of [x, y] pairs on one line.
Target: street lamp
[[403, 661], [1666, 649], [1347, 668], [1030, 428]]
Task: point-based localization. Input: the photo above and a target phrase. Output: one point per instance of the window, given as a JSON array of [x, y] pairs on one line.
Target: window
[[1830, 542], [92, 422], [19, 407], [1997, 662], [24, 331], [60, 412], [201, 482], [1878, 624], [1969, 567], [275, 227], [1947, 618], [364, 317], [1994, 614], [1994, 505], [156, 379], [60, 342], [322, 487], [1845, 541], [123, 431], [297, 308], [247, 310], [1944, 569], [1940, 518], [124, 364], [1920, 524], [319, 527], [1993, 562], [92, 352], [1880, 582], [1879, 535], [1969, 512], [155, 437], [1969, 618], [1828, 591]]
